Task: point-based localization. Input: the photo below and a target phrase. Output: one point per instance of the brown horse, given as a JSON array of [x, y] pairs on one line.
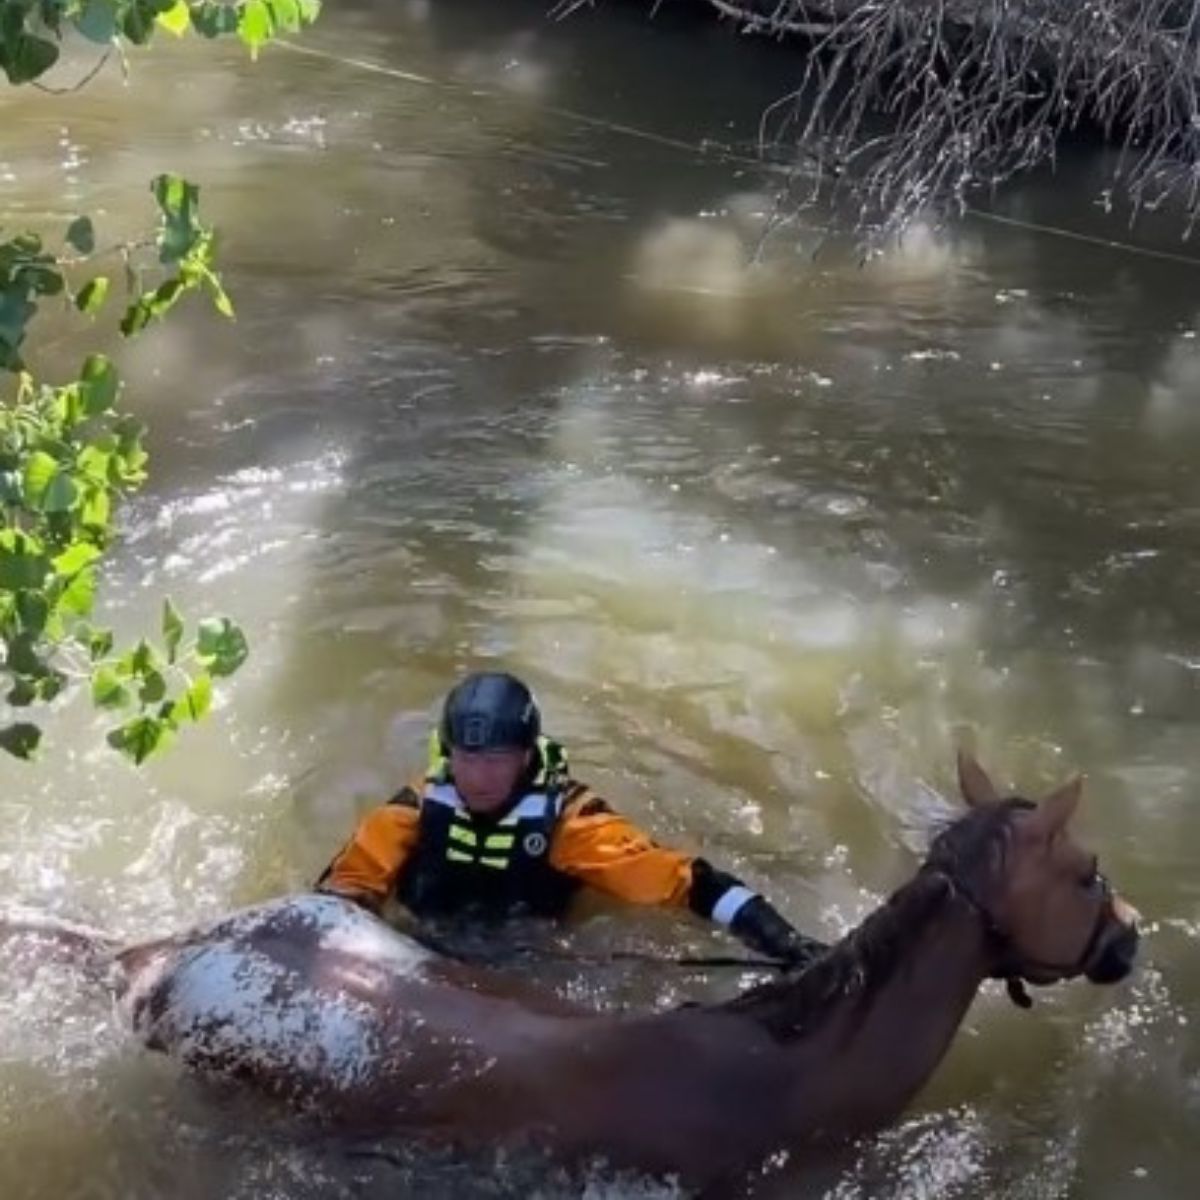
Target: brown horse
[[315, 1001]]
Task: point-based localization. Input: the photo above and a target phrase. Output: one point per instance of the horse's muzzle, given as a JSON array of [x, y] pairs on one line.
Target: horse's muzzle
[[1117, 947]]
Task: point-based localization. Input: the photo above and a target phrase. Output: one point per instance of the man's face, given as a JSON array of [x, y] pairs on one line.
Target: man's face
[[485, 779]]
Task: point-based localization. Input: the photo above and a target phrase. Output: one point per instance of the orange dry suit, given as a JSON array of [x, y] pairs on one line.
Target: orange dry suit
[[438, 859]]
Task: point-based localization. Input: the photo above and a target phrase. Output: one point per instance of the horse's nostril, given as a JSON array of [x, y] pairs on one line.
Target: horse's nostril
[[1117, 957]]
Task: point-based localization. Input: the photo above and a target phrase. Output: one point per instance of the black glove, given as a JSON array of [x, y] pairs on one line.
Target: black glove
[[762, 928]]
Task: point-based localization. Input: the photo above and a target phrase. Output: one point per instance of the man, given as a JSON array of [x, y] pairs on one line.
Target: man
[[498, 827]]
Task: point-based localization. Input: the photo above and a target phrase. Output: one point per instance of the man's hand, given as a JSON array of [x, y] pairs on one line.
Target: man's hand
[[761, 927]]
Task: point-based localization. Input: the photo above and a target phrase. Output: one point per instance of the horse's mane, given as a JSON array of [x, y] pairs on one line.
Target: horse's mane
[[866, 958]]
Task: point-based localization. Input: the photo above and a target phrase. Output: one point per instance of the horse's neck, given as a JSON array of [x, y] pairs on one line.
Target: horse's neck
[[898, 988]]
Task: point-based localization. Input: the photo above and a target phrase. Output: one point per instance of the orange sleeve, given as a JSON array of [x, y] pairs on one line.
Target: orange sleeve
[[602, 849], [367, 866]]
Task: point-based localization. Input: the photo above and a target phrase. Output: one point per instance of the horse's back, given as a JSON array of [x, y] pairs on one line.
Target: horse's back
[[305, 995]]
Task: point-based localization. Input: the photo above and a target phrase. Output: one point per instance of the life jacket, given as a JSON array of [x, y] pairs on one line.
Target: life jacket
[[487, 866]]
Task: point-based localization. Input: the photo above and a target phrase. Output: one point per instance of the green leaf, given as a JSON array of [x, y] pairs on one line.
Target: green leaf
[[221, 645], [20, 740], [141, 737], [8, 615], [22, 563], [82, 235], [11, 490], [211, 19], [30, 689], [172, 629], [195, 702], [67, 406], [147, 308], [27, 244], [61, 495], [255, 25], [101, 383], [129, 431], [79, 595], [153, 689], [107, 689], [176, 19], [285, 15], [27, 57], [177, 201], [220, 297], [137, 22], [23, 692], [56, 629], [48, 490], [92, 464], [96, 511], [22, 657], [40, 470], [98, 21], [90, 298], [100, 643], [15, 314], [48, 486], [32, 609], [75, 558], [40, 278], [142, 660]]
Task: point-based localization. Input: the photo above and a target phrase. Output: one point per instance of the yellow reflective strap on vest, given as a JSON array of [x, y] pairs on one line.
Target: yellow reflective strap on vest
[[487, 849], [461, 833], [438, 770]]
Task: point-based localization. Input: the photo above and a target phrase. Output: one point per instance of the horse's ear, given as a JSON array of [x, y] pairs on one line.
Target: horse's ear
[[977, 789], [1059, 807]]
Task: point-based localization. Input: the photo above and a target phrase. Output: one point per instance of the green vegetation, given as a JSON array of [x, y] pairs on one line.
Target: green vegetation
[[68, 454]]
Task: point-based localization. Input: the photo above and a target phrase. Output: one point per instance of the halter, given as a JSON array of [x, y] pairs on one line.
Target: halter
[[1015, 968]]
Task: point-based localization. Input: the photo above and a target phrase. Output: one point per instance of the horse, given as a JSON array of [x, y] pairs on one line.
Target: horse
[[313, 1001]]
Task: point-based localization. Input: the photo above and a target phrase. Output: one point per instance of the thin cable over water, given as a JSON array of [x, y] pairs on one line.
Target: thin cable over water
[[717, 149]]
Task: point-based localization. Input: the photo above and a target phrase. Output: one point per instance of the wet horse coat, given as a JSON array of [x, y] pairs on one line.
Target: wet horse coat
[[319, 1003], [315, 1001]]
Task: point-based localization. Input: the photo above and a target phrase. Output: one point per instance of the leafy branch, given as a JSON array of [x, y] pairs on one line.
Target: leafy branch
[[68, 455], [31, 31]]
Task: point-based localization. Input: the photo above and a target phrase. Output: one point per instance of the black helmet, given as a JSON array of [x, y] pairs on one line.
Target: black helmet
[[490, 711]]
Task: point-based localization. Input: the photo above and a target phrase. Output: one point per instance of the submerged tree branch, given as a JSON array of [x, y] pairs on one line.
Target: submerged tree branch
[[909, 105]]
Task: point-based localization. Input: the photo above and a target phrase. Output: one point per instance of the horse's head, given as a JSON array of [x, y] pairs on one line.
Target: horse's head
[[1051, 912]]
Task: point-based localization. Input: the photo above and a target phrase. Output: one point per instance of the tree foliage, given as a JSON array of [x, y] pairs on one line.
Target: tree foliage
[[31, 31], [68, 453]]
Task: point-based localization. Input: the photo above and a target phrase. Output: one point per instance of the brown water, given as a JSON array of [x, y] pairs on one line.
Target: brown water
[[770, 541]]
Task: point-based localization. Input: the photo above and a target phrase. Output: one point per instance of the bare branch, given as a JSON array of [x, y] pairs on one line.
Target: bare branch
[[910, 106]]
